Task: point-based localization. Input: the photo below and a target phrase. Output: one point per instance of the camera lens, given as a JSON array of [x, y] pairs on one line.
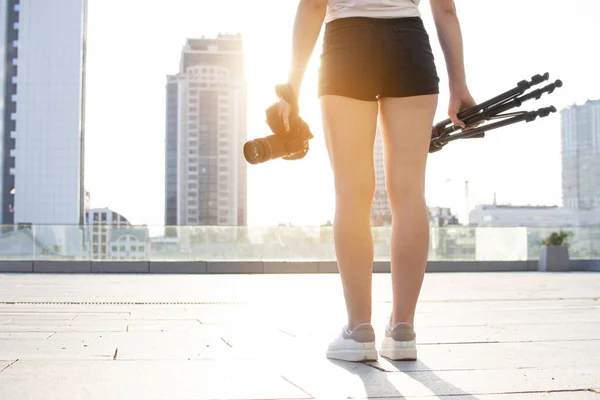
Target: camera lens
[[257, 151]]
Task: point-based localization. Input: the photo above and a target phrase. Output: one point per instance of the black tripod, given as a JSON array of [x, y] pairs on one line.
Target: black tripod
[[492, 109]]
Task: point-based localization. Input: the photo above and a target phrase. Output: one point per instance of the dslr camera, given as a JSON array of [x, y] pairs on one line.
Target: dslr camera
[[291, 145]]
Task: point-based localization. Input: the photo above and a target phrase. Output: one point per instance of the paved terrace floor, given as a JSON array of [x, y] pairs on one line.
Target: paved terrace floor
[[504, 336]]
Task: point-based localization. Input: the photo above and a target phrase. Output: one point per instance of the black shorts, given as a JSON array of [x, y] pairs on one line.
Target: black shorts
[[373, 58]]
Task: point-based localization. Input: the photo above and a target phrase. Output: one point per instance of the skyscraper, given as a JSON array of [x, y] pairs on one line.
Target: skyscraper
[[381, 213], [580, 136], [205, 132], [42, 91]]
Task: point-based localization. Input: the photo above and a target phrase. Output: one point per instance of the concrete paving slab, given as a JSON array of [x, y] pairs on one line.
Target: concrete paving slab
[[61, 326], [558, 395], [56, 350], [37, 316], [358, 381], [164, 326], [23, 335], [118, 380], [501, 356]]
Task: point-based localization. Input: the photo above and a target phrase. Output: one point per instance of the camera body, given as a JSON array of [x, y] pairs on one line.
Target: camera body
[[291, 145]]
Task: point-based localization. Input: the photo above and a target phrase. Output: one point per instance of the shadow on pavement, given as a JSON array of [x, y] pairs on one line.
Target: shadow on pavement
[[377, 385]]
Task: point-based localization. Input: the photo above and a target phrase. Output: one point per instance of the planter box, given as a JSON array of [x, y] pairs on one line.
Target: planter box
[[554, 258]]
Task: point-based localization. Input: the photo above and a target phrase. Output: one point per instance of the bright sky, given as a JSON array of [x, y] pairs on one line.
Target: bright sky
[[134, 44]]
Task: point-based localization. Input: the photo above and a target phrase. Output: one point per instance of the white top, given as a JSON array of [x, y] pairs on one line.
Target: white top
[[372, 8]]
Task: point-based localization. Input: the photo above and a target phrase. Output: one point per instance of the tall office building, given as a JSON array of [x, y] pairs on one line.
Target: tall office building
[[581, 156], [205, 177], [42, 91]]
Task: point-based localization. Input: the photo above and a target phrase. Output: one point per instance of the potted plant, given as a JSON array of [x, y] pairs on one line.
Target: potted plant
[[555, 252]]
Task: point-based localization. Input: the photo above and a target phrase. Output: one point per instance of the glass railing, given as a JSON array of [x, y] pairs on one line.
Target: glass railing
[[212, 243]]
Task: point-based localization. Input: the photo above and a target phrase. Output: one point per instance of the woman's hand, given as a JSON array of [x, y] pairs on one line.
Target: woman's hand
[[285, 109], [460, 100]]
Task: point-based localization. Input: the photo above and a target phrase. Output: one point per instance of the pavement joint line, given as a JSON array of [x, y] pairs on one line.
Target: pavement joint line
[[226, 342], [299, 388], [116, 352], [286, 333], [53, 333], [9, 365]]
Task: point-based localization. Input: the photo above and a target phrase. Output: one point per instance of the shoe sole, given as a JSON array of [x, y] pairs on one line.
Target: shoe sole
[[399, 353], [356, 355]]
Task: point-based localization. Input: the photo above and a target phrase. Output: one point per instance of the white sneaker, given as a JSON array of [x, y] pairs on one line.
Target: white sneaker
[[356, 345], [399, 343]]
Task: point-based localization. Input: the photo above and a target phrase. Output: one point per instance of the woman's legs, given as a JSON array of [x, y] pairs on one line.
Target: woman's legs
[[406, 130], [350, 126]]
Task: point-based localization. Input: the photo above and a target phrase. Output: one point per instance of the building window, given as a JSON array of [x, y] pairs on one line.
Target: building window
[[15, 43], [16, 26], [17, 7]]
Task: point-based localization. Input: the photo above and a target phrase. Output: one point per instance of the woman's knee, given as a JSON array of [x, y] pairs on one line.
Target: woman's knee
[[405, 189], [357, 190]]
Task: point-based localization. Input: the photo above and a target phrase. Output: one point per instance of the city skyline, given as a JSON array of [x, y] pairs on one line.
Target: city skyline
[[521, 164]]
